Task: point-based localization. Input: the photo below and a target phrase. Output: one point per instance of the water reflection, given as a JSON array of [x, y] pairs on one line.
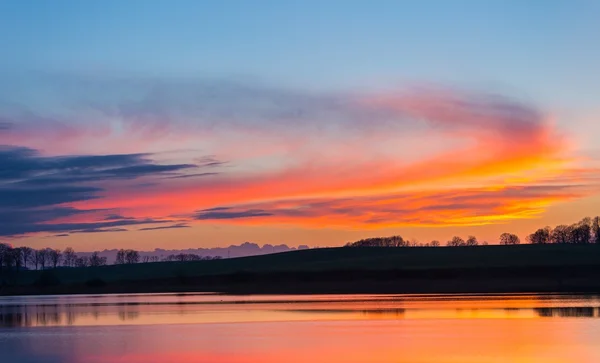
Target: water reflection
[[299, 329], [186, 309]]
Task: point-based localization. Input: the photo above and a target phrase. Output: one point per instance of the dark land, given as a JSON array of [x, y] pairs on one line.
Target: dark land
[[479, 269]]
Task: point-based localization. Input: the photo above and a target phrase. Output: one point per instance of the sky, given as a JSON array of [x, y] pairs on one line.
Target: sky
[[179, 124]]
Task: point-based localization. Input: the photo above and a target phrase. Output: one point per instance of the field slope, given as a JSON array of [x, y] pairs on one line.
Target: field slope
[[521, 268]]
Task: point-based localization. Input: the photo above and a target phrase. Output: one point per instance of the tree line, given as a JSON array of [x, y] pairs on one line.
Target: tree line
[[586, 231], [18, 258]]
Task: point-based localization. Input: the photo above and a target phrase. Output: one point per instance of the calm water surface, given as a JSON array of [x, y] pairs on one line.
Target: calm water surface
[[211, 328]]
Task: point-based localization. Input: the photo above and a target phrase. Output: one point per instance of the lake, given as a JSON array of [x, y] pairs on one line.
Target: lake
[[212, 328]]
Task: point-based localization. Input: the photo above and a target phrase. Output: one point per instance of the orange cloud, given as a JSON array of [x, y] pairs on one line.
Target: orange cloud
[[418, 157], [504, 161]]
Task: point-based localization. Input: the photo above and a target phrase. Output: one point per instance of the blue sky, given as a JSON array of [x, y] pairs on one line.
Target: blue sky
[[545, 49]]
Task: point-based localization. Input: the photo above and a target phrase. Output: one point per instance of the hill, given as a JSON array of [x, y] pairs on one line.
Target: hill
[[520, 268]]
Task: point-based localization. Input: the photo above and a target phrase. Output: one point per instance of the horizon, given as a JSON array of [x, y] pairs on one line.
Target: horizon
[[283, 124]]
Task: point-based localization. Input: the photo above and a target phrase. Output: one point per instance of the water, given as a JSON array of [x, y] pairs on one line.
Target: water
[[209, 328]]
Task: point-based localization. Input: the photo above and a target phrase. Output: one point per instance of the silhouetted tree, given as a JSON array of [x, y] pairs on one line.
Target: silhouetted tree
[[132, 256], [596, 230], [17, 257], [393, 241], [509, 239], [97, 260], [456, 242], [42, 257], [581, 232], [5, 251], [82, 261], [472, 241], [560, 234], [69, 257], [26, 255], [120, 259], [434, 243], [55, 257], [541, 236]]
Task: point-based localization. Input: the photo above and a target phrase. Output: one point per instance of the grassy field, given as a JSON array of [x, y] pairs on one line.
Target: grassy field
[[342, 265]]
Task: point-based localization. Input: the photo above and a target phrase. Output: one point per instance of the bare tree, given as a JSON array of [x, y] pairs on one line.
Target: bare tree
[[120, 259], [541, 236], [42, 257], [581, 233], [82, 261], [55, 257], [5, 251], [561, 234], [26, 255], [17, 258], [509, 239], [69, 257], [596, 230], [96, 260], [472, 241], [393, 241], [132, 256], [456, 242]]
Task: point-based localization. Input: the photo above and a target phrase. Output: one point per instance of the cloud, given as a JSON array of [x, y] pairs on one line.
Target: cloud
[[26, 166], [197, 175], [100, 230], [417, 156], [174, 226], [21, 228], [37, 193], [227, 213], [113, 217], [472, 206]]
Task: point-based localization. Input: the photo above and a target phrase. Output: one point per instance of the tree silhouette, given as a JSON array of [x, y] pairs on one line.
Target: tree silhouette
[[509, 239], [26, 255], [69, 257], [42, 257], [472, 241], [456, 242], [541, 236], [97, 260], [581, 232], [82, 261], [560, 234], [55, 257], [393, 241], [132, 256], [120, 259], [596, 230]]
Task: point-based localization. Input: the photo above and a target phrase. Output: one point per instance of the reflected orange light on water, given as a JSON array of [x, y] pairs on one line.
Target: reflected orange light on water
[[315, 329]]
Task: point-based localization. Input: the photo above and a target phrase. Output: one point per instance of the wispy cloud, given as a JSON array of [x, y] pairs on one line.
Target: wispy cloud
[[174, 226], [37, 192], [418, 156]]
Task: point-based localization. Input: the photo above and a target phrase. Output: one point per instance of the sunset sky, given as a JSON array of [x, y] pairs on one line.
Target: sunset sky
[[178, 124]]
